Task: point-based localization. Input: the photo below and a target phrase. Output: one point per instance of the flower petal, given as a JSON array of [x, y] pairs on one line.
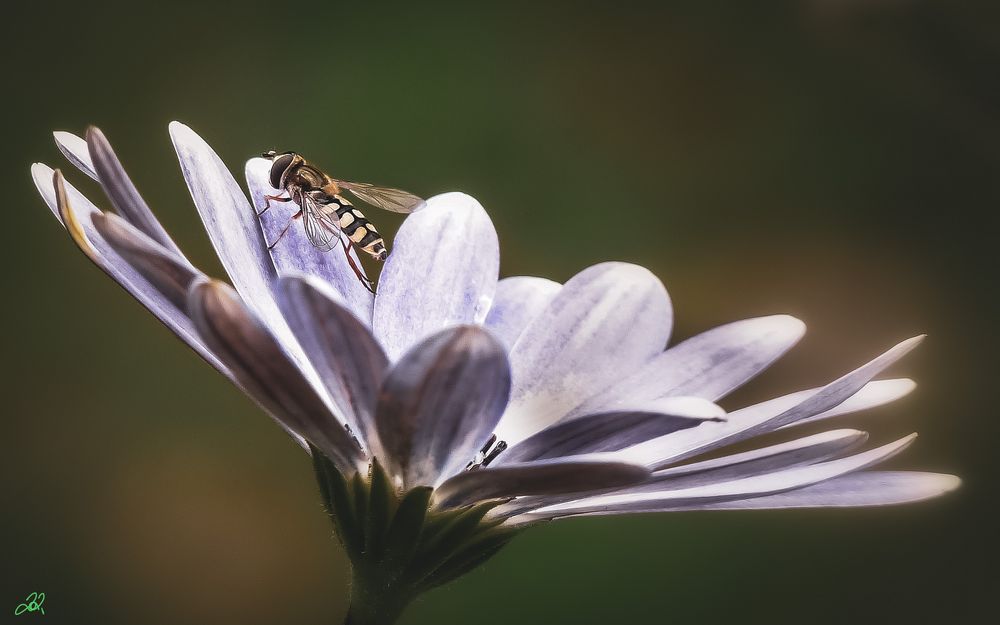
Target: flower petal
[[866, 488], [611, 431], [807, 450], [348, 359], [294, 253], [518, 300], [543, 477], [708, 365], [75, 150], [605, 323], [767, 416], [122, 192], [440, 402], [263, 367], [442, 271], [871, 395], [79, 212], [758, 485], [231, 224]]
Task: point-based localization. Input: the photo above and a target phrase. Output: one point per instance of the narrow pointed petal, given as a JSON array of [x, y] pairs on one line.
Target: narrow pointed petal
[[803, 451], [75, 150], [871, 395], [264, 368], [605, 323], [543, 477], [767, 416], [612, 431], [758, 485], [441, 272], [867, 488], [168, 272], [348, 359], [232, 226], [440, 403], [76, 214], [293, 253], [517, 302], [122, 192], [708, 365]]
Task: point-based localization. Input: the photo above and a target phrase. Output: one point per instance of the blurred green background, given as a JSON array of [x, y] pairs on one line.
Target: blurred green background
[[836, 160]]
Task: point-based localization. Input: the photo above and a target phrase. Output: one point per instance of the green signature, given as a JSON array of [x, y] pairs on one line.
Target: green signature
[[32, 603]]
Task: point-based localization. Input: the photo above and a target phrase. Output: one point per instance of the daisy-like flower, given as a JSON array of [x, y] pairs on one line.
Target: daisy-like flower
[[452, 409]]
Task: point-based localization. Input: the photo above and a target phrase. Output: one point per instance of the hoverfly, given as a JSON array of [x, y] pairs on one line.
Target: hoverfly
[[326, 213]]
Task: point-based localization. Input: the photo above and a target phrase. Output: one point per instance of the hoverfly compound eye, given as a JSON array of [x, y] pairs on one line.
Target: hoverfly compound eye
[[278, 167]]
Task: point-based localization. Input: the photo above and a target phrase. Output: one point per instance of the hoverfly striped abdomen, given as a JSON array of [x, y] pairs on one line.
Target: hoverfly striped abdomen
[[355, 225]]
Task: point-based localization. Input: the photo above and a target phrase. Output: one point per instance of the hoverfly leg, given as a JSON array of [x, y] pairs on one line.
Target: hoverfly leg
[[272, 198], [357, 270], [285, 230]]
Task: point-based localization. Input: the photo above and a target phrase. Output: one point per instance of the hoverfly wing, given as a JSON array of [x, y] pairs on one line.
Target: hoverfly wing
[[322, 230], [386, 198]]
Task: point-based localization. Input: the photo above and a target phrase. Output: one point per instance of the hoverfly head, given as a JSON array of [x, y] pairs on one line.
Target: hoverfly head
[[279, 165]]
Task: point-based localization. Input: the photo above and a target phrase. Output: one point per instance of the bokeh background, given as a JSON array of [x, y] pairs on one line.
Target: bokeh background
[[837, 160]]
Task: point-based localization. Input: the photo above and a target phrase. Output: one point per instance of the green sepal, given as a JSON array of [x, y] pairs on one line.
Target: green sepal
[[474, 552], [437, 548], [338, 503], [405, 530], [381, 506]]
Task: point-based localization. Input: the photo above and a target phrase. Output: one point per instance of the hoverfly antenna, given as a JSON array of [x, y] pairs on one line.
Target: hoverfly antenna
[[269, 155]]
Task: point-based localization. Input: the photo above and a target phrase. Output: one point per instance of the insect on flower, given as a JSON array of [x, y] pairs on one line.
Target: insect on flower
[[326, 213]]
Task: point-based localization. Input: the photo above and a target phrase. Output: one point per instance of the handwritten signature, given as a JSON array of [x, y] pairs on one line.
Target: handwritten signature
[[32, 603]]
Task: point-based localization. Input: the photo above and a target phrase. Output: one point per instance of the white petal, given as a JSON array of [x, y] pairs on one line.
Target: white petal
[[232, 226], [348, 359], [866, 488], [606, 322], [612, 431], [872, 395], [708, 365], [439, 403], [573, 474], [75, 150], [518, 300], [441, 271], [770, 415], [294, 253], [105, 257], [758, 485]]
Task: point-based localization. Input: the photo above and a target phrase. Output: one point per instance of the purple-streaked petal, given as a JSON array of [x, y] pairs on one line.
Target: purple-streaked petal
[[612, 431], [122, 192], [803, 451], [294, 253], [232, 226], [518, 300], [439, 403], [871, 395], [78, 221], [605, 323], [866, 488], [261, 364], [765, 417], [758, 485], [543, 477], [708, 365], [348, 359], [75, 150], [441, 272]]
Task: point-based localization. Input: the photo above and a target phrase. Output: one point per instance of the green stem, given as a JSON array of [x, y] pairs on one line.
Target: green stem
[[374, 603]]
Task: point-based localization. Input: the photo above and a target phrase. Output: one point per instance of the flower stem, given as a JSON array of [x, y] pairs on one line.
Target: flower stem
[[374, 604]]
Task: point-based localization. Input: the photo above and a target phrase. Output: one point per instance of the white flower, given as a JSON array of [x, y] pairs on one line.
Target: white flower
[[591, 412]]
